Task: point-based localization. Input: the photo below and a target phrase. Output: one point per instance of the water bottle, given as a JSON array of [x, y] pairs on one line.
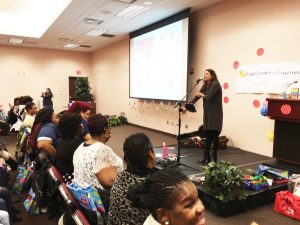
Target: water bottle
[[164, 150]]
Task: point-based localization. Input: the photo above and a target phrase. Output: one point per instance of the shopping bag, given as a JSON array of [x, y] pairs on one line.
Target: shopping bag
[[30, 204], [288, 204], [88, 198], [22, 177]]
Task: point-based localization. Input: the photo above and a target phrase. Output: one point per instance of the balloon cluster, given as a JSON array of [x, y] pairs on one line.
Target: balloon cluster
[[264, 110]]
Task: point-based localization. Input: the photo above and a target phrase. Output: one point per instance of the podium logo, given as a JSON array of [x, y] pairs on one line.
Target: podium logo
[[286, 109]]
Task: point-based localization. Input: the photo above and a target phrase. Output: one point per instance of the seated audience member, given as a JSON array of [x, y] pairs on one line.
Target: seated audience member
[[83, 109], [31, 111], [45, 133], [95, 164], [139, 157], [171, 198], [70, 128]]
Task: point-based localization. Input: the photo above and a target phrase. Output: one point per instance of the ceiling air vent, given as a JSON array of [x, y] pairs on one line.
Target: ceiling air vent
[[92, 21], [126, 1], [85, 46], [107, 35]]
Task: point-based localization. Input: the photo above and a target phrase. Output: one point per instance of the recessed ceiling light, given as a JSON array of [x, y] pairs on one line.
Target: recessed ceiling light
[[71, 46], [95, 32], [132, 11], [147, 3], [18, 41]]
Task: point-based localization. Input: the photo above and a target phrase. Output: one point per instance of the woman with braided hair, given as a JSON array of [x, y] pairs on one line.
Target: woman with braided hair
[[171, 198]]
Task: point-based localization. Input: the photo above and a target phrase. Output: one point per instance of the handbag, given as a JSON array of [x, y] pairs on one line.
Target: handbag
[[287, 204], [22, 177], [88, 198], [30, 204]]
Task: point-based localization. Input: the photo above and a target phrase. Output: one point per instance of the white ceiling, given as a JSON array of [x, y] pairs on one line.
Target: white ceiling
[[71, 28]]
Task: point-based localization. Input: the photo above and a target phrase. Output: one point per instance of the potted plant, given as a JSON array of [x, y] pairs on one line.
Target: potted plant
[[82, 89], [222, 191]]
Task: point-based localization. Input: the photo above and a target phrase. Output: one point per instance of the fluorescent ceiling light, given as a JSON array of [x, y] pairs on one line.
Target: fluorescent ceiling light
[[95, 32], [71, 46], [132, 11], [16, 40], [29, 18]]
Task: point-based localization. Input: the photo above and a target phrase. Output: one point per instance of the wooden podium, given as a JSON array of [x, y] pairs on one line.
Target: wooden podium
[[286, 146]]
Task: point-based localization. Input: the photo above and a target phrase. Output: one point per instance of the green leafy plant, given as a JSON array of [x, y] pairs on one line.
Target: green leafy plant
[[116, 121], [82, 89], [123, 120], [113, 121], [224, 181]]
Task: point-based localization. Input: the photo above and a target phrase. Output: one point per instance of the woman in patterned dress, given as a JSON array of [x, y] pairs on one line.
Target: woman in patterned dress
[[140, 158]]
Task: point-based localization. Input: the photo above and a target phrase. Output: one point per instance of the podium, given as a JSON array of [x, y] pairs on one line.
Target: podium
[[286, 146]]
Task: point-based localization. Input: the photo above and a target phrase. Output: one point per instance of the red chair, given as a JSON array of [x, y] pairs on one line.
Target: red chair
[[79, 218], [55, 175], [68, 196]]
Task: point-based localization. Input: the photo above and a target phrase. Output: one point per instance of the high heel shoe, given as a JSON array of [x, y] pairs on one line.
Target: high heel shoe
[[206, 160]]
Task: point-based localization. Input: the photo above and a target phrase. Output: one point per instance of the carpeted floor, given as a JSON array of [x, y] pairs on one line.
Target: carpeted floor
[[263, 215]]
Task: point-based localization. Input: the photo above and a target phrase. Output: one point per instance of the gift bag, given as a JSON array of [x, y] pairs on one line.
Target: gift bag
[[30, 204], [22, 177], [88, 198], [288, 204]]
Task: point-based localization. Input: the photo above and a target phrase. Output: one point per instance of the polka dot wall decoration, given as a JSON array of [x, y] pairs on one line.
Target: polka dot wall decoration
[[225, 85], [260, 51], [236, 64], [226, 100], [256, 103]]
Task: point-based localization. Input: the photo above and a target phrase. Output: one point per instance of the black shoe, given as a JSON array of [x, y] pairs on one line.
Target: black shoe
[[206, 160]]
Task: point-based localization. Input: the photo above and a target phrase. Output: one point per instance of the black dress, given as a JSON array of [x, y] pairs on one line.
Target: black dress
[[64, 157]]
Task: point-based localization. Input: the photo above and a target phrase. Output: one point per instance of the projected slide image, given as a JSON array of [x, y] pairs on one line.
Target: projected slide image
[[158, 63]]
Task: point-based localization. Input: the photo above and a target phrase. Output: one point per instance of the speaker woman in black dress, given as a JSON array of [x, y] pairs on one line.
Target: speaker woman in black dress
[[211, 93]]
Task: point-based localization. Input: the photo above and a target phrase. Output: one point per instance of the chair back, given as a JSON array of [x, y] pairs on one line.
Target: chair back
[[55, 175], [68, 196]]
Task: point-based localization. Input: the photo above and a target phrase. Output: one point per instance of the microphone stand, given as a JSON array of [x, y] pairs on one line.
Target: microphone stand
[[179, 104]]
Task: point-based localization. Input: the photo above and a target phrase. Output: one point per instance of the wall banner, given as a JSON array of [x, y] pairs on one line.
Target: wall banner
[[272, 78]]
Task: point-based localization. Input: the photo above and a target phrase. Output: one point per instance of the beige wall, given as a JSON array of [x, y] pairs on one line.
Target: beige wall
[[222, 34], [232, 30], [28, 71]]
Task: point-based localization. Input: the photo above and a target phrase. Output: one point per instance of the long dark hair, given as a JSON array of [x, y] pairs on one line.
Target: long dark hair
[[43, 116], [158, 191], [69, 125], [207, 84], [136, 152]]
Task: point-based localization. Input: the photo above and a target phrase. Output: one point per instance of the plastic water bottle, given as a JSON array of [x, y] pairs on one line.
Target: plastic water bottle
[[164, 150]]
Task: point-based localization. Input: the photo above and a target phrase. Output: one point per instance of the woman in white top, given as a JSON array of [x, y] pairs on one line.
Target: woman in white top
[[31, 111], [95, 164]]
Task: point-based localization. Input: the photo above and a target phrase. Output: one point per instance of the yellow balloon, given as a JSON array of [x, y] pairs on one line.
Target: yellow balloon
[[270, 136]]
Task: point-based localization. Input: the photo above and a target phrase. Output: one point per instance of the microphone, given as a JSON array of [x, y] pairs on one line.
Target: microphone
[[283, 94], [198, 80]]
